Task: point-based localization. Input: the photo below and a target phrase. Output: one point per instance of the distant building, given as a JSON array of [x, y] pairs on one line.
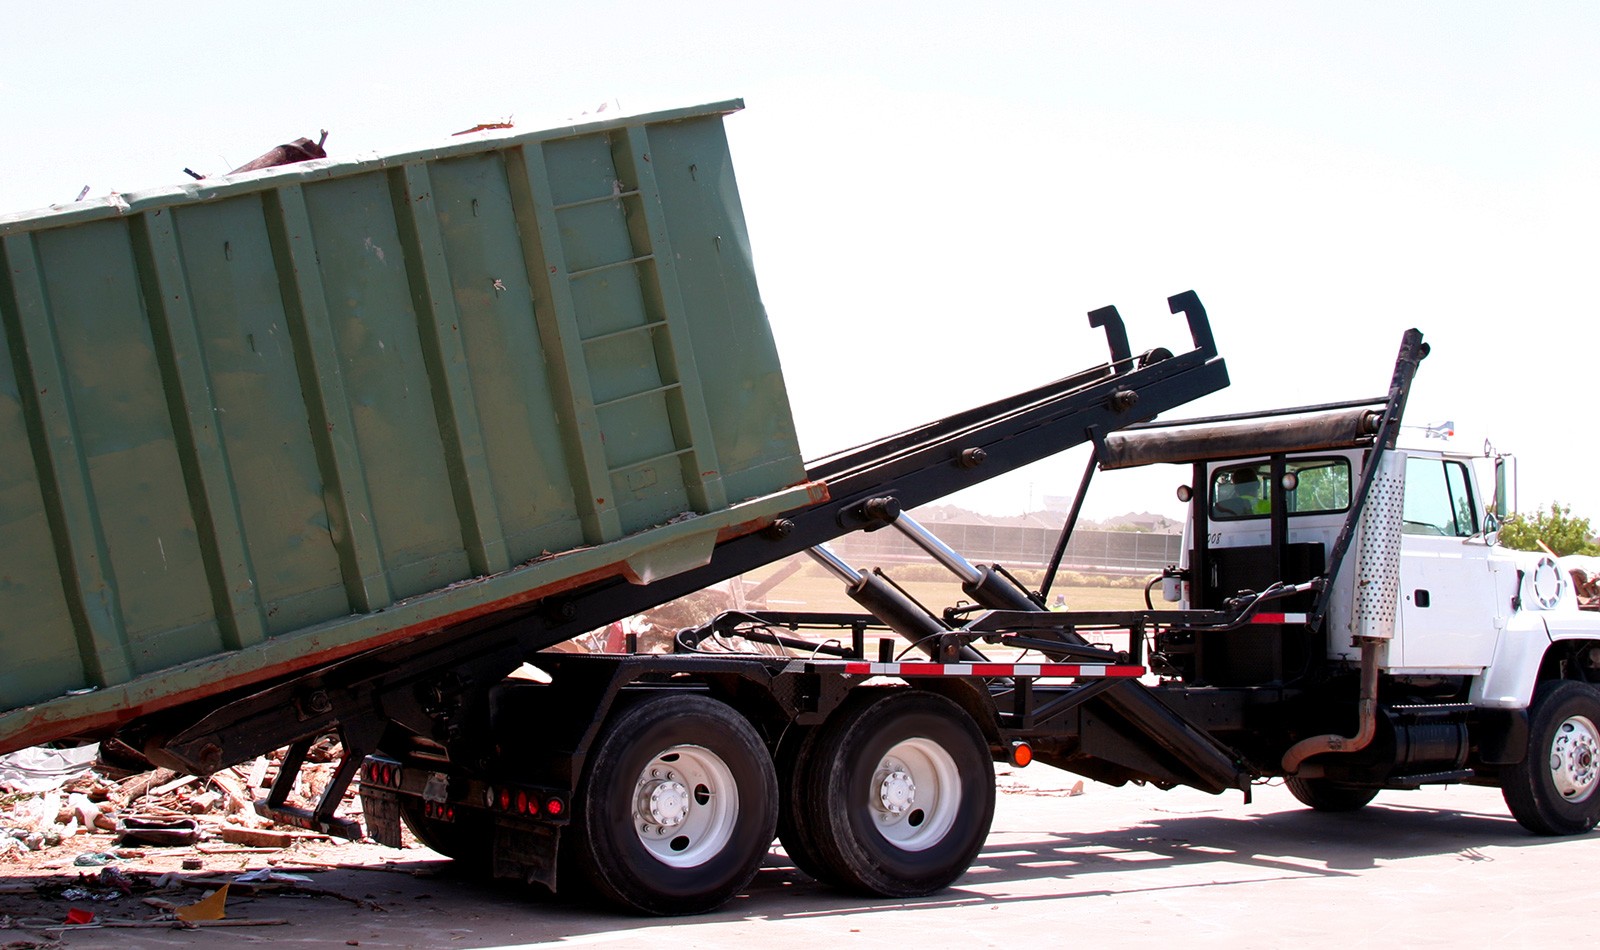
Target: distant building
[[1146, 521]]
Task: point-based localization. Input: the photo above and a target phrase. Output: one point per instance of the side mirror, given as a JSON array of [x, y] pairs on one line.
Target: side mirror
[[1504, 487]]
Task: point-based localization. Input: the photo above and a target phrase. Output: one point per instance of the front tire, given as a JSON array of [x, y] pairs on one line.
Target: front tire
[[898, 794], [1555, 789], [677, 806], [1324, 795]]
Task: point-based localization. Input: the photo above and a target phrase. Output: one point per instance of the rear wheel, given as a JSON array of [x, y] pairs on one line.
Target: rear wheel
[[794, 761], [1555, 789], [898, 794], [469, 840], [677, 806], [1324, 795]]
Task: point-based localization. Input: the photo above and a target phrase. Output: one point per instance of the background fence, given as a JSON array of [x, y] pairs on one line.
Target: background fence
[[1130, 552]]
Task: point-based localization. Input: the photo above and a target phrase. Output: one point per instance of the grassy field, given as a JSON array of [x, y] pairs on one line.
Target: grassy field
[[811, 588]]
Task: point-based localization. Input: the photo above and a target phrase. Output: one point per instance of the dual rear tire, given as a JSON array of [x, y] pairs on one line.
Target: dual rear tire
[[892, 797], [677, 806], [680, 800]]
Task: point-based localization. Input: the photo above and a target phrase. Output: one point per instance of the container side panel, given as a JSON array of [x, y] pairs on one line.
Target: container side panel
[[510, 378], [126, 437], [261, 411], [529, 174], [390, 403], [36, 638], [670, 336], [581, 169], [595, 235], [191, 405], [57, 453], [647, 473], [439, 331], [352, 524], [617, 309], [641, 428], [620, 366], [749, 406], [266, 422]]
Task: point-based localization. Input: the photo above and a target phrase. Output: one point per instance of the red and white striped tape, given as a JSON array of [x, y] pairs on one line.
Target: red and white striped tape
[[1076, 670]]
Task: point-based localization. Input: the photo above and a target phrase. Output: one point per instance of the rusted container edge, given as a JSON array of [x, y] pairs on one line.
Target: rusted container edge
[[195, 192]]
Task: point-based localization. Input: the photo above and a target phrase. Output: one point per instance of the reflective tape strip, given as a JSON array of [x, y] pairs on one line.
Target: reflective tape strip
[[861, 668], [1278, 618]]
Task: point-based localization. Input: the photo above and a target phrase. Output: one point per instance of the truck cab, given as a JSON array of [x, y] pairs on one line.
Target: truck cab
[[1465, 608]]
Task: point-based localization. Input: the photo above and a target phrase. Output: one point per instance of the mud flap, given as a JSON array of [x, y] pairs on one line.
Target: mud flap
[[526, 853], [380, 810]]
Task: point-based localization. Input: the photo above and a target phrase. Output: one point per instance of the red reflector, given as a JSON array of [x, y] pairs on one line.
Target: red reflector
[[522, 802], [554, 806], [1021, 754], [505, 799]]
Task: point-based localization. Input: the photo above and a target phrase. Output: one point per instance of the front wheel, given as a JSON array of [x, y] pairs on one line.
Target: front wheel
[[897, 794], [677, 806], [1555, 789]]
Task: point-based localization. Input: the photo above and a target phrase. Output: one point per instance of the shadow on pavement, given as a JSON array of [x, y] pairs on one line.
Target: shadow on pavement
[[427, 902]]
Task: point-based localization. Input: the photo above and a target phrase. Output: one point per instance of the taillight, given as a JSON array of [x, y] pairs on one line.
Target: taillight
[[521, 801], [382, 773]]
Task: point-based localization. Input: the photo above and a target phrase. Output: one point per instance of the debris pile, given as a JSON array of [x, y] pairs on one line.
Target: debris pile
[[94, 837], [1587, 586], [45, 804]]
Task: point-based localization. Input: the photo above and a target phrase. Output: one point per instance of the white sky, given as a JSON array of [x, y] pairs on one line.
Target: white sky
[[938, 192]]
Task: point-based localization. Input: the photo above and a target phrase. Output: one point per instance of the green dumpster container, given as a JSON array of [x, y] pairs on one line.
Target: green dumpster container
[[255, 424]]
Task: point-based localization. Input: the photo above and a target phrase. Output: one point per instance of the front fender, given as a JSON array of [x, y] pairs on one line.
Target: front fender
[[1509, 680]]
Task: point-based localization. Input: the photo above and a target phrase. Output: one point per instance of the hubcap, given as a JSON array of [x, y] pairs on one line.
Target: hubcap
[[1575, 758], [685, 806], [915, 794], [664, 801], [897, 791]]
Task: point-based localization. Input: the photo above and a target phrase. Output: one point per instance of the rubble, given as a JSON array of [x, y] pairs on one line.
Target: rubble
[[71, 809], [1586, 585], [100, 847]]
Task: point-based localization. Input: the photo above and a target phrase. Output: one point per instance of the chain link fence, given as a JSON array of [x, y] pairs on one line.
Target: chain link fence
[[1130, 552]]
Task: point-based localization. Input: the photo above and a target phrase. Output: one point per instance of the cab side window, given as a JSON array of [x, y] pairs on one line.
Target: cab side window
[[1438, 499], [1315, 486], [1241, 491]]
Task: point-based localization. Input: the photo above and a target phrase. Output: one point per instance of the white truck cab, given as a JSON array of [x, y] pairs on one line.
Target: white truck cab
[[1464, 605]]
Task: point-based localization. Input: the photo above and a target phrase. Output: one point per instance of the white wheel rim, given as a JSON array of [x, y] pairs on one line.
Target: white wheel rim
[[1575, 758], [914, 794], [685, 806]]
